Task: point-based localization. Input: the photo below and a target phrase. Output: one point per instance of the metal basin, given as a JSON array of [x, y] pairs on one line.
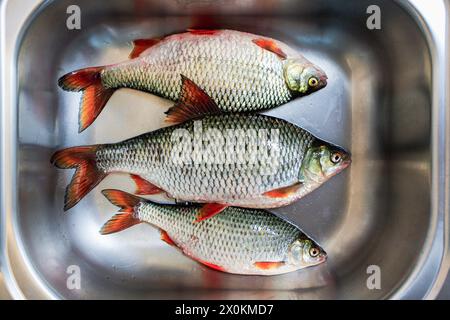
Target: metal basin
[[385, 102]]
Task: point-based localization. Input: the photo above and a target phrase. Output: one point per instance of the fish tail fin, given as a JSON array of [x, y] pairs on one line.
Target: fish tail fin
[[126, 217], [86, 176], [95, 95]]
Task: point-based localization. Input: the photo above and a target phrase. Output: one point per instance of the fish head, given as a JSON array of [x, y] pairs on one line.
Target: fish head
[[305, 252], [303, 77], [322, 161]]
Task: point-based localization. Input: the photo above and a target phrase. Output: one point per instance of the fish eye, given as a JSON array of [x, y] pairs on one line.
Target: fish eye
[[313, 82], [335, 157], [314, 252]]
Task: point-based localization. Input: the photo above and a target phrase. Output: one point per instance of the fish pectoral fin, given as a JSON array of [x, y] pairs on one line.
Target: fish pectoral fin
[[140, 45], [271, 46], [143, 187], [166, 238], [209, 210], [202, 31], [268, 265], [193, 103], [283, 192]]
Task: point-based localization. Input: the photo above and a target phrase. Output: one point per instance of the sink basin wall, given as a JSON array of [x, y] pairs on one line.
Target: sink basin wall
[[381, 104]]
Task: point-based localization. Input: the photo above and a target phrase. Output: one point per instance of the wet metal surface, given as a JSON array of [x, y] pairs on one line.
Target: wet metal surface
[[385, 102]]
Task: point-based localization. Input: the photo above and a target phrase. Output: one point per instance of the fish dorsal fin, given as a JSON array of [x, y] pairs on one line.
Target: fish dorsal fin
[[140, 45], [271, 46], [202, 31], [193, 103]]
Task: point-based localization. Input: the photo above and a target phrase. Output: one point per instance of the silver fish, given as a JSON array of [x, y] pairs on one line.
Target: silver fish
[[240, 241], [240, 71]]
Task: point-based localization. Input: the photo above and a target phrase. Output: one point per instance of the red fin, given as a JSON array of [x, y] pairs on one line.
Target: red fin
[[121, 221], [202, 31], [94, 96], [211, 265], [143, 187], [126, 201], [271, 46], [166, 238], [268, 265], [86, 176], [192, 103], [209, 210], [283, 192], [94, 100], [140, 45], [80, 79]]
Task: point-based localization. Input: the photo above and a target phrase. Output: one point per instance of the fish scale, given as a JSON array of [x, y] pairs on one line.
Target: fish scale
[[233, 240], [228, 67], [149, 156]]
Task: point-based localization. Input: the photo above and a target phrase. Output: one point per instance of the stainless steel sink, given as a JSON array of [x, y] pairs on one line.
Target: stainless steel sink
[[385, 102]]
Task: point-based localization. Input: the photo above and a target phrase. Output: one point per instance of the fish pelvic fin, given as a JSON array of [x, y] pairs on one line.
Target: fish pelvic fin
[[193, 103], [86, 176], [94, 97], [126, 217], [140, 45]]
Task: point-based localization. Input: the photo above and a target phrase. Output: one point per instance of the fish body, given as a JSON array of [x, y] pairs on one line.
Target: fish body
[[240, 241], [243, 180], [240, 71]]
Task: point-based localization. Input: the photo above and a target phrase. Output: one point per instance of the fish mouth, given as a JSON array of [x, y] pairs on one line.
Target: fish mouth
[[323, 257], [342, 166], [346, 158], [323, 81], [346, 162]]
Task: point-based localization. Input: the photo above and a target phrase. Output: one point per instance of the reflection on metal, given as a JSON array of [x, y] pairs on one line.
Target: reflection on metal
[[385, 102]]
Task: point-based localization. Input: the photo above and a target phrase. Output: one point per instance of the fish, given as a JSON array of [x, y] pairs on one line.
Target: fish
[[231, 159], [242, 72], [239, 241]]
